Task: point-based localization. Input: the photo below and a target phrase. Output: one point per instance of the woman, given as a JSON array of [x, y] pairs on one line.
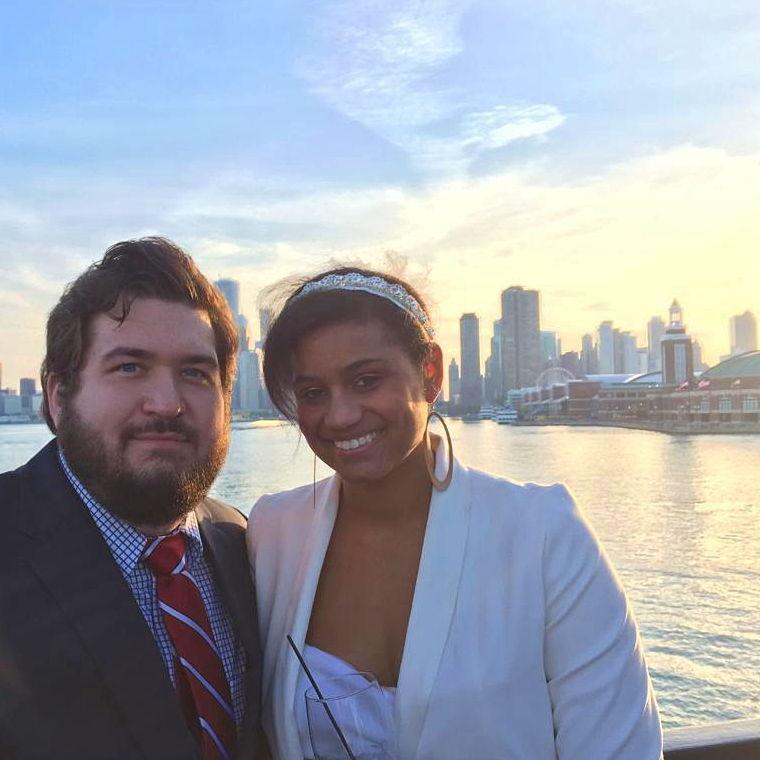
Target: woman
[[485, 607]]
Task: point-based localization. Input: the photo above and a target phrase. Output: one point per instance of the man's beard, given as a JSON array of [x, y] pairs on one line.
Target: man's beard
[[155, 496]]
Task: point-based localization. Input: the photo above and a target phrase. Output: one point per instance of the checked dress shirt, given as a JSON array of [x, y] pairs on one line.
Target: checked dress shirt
[[126, 545]]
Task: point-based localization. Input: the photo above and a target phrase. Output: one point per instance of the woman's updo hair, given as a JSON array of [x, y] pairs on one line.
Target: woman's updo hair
[[302, 314]]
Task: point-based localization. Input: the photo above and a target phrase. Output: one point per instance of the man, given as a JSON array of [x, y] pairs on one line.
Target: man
[[127, 619]]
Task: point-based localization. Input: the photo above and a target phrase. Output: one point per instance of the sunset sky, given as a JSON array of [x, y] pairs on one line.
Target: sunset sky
[[605, 153]]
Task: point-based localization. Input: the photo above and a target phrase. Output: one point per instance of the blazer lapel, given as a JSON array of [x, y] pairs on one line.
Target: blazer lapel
[[79, 572], [435, 596], [299, 612]]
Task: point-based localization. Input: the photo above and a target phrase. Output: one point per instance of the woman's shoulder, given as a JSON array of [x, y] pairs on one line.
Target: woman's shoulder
[[526, 500], [294, 499], [517, 491], [284, 508], [548, 513]]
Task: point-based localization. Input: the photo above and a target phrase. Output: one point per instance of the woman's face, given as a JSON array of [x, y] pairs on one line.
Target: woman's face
[[361, 402]]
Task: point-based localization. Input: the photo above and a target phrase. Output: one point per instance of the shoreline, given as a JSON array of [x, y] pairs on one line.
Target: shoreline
[[693, 428]]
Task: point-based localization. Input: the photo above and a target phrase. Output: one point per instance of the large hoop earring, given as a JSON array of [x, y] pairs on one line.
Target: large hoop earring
[[314, 484], [439, 485]]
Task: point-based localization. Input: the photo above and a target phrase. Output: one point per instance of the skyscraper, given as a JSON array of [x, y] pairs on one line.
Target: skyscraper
[[589, 358], [743, 333], [571, 361], [453, 382], [242, 323], [655, 331], [471, 393], [249, 381], [265, 319], [520, 338], [549, 349], [677, 353], [630, 363], [230, 289], [492, 380], [606, 345], [643, 356], [699, 365], [27, 386]]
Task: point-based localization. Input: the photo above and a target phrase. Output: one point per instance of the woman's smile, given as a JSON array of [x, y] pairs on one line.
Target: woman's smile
[[358, 443]]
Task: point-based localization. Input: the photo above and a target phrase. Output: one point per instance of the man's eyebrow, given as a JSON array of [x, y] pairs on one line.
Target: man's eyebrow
[[141, 353], [209, 359], [134, 353]]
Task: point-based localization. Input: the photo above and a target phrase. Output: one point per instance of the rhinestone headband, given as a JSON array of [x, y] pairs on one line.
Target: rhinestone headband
[[375, 285]]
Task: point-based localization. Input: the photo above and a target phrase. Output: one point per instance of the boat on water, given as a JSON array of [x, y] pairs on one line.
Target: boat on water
[[506, 416]]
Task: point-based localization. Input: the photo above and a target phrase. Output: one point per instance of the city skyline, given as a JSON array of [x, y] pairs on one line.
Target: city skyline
[[230, 288], [616, 173]]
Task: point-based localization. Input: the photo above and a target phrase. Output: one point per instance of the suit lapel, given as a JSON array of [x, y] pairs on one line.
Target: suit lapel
[[227, 556], [435, 596], [73, 562], [226, 553]]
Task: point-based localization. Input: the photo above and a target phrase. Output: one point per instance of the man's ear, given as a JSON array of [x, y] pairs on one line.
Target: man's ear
[[432, 371], [53, 396]]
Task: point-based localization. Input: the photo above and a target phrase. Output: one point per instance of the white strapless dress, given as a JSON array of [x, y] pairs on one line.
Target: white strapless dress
[[325, 665]]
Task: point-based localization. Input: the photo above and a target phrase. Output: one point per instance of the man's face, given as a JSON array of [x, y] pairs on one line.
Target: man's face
[[147, 428]]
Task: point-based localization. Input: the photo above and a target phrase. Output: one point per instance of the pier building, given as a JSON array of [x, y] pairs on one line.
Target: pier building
[[722, 399]]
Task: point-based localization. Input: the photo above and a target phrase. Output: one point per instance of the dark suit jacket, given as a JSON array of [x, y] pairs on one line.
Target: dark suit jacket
[[80, 673]]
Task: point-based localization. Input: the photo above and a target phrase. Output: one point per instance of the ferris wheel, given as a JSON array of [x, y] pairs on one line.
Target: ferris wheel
[[553, 375]]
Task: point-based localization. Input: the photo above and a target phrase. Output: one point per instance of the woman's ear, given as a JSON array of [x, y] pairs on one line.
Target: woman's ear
[[432, 373]]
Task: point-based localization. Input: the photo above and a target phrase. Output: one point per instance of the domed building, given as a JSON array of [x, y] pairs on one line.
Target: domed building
[[725, 398]]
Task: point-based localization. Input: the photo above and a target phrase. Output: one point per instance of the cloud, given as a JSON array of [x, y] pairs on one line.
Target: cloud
[[380, 64], [644, 230], [505, 124], [371, 61]]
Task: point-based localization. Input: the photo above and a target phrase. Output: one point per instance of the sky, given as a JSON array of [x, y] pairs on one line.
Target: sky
[[605, 153]]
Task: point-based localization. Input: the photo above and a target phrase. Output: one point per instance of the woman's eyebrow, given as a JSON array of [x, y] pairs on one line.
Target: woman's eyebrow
[[349, 368]]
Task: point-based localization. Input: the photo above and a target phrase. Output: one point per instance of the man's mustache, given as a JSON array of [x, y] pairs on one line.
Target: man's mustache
[[175, 425]]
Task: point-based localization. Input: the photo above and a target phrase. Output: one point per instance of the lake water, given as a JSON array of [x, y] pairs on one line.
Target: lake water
[[680, 517]]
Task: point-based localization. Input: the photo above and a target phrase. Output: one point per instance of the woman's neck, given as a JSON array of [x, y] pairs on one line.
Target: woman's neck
[[402, 495]]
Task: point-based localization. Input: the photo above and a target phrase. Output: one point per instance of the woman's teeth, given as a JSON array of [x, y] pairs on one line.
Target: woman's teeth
[[354, 443]]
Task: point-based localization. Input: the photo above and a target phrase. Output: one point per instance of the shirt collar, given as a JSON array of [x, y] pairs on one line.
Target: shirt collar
[[125, 542]]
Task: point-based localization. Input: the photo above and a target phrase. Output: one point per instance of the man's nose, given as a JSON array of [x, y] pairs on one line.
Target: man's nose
[[163, 396]]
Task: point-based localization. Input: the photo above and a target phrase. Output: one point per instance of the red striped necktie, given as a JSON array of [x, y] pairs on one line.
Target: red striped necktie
[[200, 681]]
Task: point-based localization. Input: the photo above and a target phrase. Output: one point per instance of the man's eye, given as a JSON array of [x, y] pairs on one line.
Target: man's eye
[[195, 374], [128, 368]]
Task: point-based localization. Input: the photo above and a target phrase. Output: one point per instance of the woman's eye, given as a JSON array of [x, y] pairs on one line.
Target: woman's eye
[[310, 394], [367, 382]]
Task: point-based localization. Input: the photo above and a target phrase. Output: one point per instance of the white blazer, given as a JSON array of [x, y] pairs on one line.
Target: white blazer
[[520, 645]]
